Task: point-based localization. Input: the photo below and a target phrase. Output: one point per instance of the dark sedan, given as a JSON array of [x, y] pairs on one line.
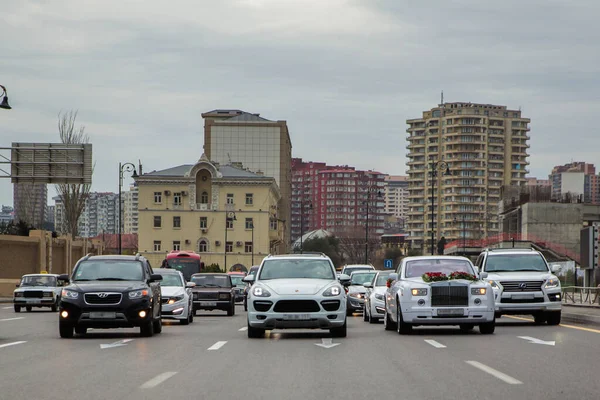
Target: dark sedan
[[213, 291]]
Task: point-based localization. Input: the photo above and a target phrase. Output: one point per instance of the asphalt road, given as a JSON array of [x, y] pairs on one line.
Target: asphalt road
[[213, 359]]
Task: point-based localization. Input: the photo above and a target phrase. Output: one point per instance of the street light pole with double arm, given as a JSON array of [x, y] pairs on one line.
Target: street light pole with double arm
[[124, 167]]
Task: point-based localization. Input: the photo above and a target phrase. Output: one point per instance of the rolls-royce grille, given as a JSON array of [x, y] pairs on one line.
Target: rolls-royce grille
[[33, 293], [522, 286], [206, 295], [297, 306], [102, 298], [449, 296]]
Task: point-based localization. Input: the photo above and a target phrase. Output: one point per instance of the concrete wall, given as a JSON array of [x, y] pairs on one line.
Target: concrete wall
[[21, 255], [558, 223]]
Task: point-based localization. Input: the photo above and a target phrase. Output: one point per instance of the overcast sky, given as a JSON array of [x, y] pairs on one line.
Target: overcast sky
[[345, 74]]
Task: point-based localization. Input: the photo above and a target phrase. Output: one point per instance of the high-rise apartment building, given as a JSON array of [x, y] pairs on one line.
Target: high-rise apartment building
[[30, 201], [338, 199], [130, 210], [538, 182], [396, 197], [261, 145], [484, 147], [576, 179], [100, 215]]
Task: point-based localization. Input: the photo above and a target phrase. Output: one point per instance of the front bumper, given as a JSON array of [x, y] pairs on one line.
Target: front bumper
[[125, 315], [355, 304], [525, 303], [377, 308], [34, 302], [431, 315], [212, 305], [177, 310]]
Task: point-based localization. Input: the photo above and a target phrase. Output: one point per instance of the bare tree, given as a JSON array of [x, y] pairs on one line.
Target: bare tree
[[72, 196], [352, 242]]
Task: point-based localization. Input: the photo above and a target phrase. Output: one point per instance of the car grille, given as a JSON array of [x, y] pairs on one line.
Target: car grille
[[450, 295], [297, 306], [521, 301], [206, 295], [95, 298], [522, 286], [331, 305], [262, 306], [33, 293]]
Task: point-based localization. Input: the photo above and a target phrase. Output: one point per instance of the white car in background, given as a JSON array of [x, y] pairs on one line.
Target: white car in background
[[374, 307], [296, 291], [176, 296], [37, 290], [357, 290]]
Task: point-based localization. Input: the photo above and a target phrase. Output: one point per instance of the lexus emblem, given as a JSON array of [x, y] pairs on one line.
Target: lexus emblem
[[102, 295], [523, 285]]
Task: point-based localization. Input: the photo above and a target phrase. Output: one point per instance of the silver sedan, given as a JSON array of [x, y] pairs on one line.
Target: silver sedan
[[374, 307], [176, 296]]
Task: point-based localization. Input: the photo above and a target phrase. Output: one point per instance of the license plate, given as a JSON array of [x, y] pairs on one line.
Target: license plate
[[296, 317], [208, 303], [523, 296], [102, 315], [442, 312]]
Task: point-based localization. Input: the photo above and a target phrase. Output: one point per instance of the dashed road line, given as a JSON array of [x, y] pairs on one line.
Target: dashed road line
[[11, 319], [11, 344], [157, 380], [217, 346], [6, 308], [435, 344], [495, 373], [243, 329], [581, 328]]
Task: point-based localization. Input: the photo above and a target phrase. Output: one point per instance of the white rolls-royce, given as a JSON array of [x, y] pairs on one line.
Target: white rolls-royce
[[439, 290]]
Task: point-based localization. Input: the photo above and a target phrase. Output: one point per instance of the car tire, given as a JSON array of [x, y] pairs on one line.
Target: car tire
[[191, 318], [80, 330], [255, 333], [231, 310], [341, 331], [465, 328], [245, 305], [184, 321], [65, 329], [402, 327], [488, 328], [539, 318], [17, 308], [54, 307], [388, 324], [497, 315], [28, 308], [365, 316], [147, 329], [553, 318], [157, 325]]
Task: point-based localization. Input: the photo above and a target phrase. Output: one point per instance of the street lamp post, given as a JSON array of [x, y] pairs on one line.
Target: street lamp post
[[252, 227], [463, 231], [302, 221], [230, 216], [4, 96], [126, 167], [379, 195], [435, 167]]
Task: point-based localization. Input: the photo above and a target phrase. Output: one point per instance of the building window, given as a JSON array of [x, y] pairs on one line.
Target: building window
[[249, 199], [176, 245], [177, 199], [202, 246], [157, 221], [229, 247], [176, 222], [229, 223], [204, 198], [157, 245], [157, 197], [273, 224], [229, 198], [249, 223], [248, 247], [203, 222]]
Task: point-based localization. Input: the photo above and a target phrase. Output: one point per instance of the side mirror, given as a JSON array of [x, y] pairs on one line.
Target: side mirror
[[156, 278], [393, 276], [483, 275], [17, 285], [248, 279], [368, 285], [555, 268], [64, 278], [190, 285], [344, 279]]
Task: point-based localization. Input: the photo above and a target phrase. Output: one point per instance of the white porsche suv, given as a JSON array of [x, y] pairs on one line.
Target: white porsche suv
[[296, 291]]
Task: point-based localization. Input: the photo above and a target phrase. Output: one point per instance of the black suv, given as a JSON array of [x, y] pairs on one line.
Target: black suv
[[110, 292]]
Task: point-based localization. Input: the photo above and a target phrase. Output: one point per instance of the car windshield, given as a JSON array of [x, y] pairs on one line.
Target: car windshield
[[211, 280], [109, 270], [171, 280], [349, 271], [187, 266], [252, 271], [38, 281], [515, 262], [382, 279], [417, 268], [362, 278], [237, 280], [296, 269]]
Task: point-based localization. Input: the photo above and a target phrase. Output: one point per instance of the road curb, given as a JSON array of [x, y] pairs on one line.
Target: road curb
[[6, 300], [573, 314]]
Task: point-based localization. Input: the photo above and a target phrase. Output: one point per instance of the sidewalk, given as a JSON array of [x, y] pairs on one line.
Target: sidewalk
[[581, 314]]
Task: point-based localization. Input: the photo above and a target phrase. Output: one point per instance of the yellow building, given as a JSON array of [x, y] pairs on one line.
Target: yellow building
[[187, 208]]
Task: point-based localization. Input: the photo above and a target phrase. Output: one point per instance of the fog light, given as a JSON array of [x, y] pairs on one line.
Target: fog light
[[178, 310], [142, 314], [421, 302], [477, 301], [64, 314]]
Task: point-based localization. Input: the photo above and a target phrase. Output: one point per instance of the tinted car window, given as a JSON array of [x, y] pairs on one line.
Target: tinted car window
[[171, 280], [99, 270], [298, 268], [360, 279], [211, 281], [418, 268], [382, 279], [38, 281], [515, 262]]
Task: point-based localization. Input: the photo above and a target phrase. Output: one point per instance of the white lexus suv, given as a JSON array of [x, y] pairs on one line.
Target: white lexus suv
[[296, 291]]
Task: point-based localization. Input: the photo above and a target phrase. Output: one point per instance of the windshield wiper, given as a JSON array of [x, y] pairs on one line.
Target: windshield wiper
[[83, 280], [112, 279]]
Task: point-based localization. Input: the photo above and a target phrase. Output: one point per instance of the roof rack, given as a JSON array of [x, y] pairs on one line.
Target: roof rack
[[511, 249], [137, 256], [87, 256]]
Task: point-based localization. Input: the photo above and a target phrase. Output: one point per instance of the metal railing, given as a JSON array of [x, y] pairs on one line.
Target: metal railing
[[581, 295]]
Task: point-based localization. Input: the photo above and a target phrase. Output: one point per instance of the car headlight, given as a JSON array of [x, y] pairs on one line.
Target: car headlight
[[478, 291], [494, 284], [69, 294], [357, 295], [19, 294], [138, 294], [379, 296], [223, 296], [418, 292], [332, 291], [552, 283], [260, 292], [175, 299]]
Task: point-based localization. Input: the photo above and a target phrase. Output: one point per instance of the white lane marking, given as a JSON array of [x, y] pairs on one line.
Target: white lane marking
[[157, 380], [327, 343], [538, 341], [115, 344], [502, 376], [217, 346], [6, 308], [11, 319], [243, 329], [435, 344], [11, 344]]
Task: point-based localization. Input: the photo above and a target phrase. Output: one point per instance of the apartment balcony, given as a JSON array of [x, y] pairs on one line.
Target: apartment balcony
[[207, 206]]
